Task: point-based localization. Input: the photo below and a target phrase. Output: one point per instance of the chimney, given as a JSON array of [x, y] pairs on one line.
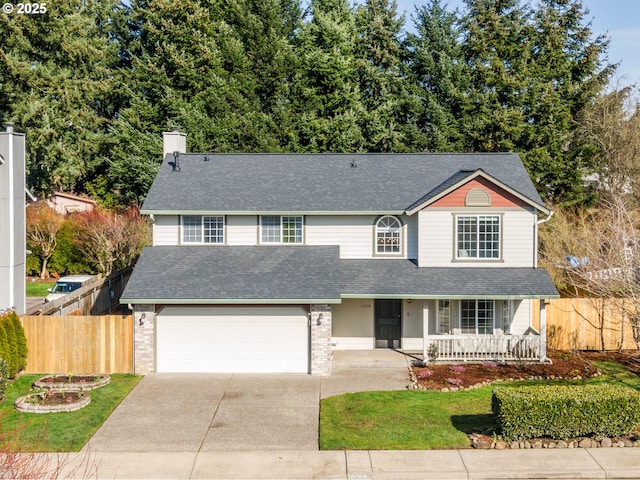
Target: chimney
[[173, 141], [12, 211]]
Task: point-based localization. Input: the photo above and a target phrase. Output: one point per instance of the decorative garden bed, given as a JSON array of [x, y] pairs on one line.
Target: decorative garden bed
[[52, 401], [72, 382]]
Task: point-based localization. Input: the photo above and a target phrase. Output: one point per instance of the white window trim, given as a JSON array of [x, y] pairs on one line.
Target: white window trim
[[202, 235], [465, 257], [448, 309], [281, 242], [493, 323], [400, 251]]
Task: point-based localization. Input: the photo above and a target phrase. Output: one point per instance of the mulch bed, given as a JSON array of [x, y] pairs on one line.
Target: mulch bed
[[563, 366]]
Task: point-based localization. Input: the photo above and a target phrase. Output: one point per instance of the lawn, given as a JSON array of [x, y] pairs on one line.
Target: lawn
[[424, 419], [39, 289], [59, 432]]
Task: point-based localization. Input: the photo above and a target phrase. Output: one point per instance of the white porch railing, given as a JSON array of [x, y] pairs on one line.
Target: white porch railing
[[486, 347]]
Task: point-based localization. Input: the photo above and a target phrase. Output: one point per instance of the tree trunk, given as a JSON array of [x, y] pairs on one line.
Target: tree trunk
[[44, 273]]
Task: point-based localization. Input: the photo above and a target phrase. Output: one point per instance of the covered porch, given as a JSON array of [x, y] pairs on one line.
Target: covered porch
[[453, 314]]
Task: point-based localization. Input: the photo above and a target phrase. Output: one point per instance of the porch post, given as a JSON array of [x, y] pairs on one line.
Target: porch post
[[543, 330], [425, 330]]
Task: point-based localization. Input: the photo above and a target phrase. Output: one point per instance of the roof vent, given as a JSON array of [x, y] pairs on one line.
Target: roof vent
[[176, 162], [9, 126], [206, 158], [353, 164]]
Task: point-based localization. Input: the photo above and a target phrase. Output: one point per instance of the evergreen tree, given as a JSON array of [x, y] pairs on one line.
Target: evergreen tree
[[439, 76], [326, 98], [56, 71], [567, 75], [390, 120], [497, 51]]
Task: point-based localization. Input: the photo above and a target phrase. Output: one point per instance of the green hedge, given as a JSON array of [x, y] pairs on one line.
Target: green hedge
[[561, 411], [13, 343]]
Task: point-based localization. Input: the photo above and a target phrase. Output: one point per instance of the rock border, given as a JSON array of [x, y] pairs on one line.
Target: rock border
[[22, 405], [86, 386], [487, 443]]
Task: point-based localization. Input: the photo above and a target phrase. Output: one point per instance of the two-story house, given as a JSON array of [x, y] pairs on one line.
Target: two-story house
[[268, 262]]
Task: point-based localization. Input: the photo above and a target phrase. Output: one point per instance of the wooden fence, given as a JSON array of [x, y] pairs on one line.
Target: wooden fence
[[586, 324], [79, 344], [98, 296]]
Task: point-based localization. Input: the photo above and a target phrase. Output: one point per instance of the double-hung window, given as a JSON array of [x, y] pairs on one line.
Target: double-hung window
[[478, 236], [202, 229], [477, 317], [280, 229]]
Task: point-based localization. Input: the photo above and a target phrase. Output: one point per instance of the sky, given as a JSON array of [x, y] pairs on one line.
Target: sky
[[619, 19]]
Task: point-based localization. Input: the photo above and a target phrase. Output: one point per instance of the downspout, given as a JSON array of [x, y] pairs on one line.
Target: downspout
[[535, 238]]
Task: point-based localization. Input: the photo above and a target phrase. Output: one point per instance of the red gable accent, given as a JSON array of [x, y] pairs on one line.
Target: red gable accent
[[499, 196]]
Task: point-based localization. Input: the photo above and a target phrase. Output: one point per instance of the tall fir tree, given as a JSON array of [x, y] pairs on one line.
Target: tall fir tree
[[326, 98], [438, 75], [496, 48], [568, 71], [57, 77], [390, 123]]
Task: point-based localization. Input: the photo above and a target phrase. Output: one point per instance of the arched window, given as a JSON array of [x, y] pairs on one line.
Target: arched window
[[388, 235]]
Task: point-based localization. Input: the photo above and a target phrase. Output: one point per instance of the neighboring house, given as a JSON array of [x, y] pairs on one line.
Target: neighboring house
[[65, 203], [13, 199], [268, 262]]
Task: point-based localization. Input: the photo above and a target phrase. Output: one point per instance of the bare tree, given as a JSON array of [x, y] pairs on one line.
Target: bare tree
[[610, 133], [43, 224], [112, 240], [596, 253]]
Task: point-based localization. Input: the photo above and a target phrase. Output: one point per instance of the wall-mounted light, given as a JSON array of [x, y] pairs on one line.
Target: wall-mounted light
[[319, 320], [141, 319]]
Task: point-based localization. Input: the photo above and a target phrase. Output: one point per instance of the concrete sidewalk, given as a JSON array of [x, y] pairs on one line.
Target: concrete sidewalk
[[243, 426], [607, 463]]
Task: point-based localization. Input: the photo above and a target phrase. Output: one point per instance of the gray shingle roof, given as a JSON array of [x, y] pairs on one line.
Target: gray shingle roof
[[308, 274], [319, 182], [405, 279], [212, 274]]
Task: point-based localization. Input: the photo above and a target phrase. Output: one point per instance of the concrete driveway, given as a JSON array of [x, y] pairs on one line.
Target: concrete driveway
[[240, 412]]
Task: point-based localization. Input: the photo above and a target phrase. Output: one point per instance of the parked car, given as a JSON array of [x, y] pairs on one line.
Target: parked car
[[66, 285]]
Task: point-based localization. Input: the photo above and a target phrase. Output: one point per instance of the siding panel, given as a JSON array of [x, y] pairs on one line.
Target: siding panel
[[242, 229], [166, 230]]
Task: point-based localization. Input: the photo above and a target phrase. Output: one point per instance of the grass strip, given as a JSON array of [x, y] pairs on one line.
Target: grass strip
[[63, 431]]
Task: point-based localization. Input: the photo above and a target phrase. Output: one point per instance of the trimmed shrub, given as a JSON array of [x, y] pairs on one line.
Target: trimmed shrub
[[3, 378], [13, 343], [21, 343], [566, 411]]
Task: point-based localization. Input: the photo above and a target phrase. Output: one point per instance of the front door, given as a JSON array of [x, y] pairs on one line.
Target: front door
[[387, 323]]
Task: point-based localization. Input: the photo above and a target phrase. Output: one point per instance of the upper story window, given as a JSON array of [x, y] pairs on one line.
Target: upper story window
[[478, 236], [280, 229], [388, 235], [202, 229]]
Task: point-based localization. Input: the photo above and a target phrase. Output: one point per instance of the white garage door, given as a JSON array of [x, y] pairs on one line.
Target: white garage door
[[232, 339]]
